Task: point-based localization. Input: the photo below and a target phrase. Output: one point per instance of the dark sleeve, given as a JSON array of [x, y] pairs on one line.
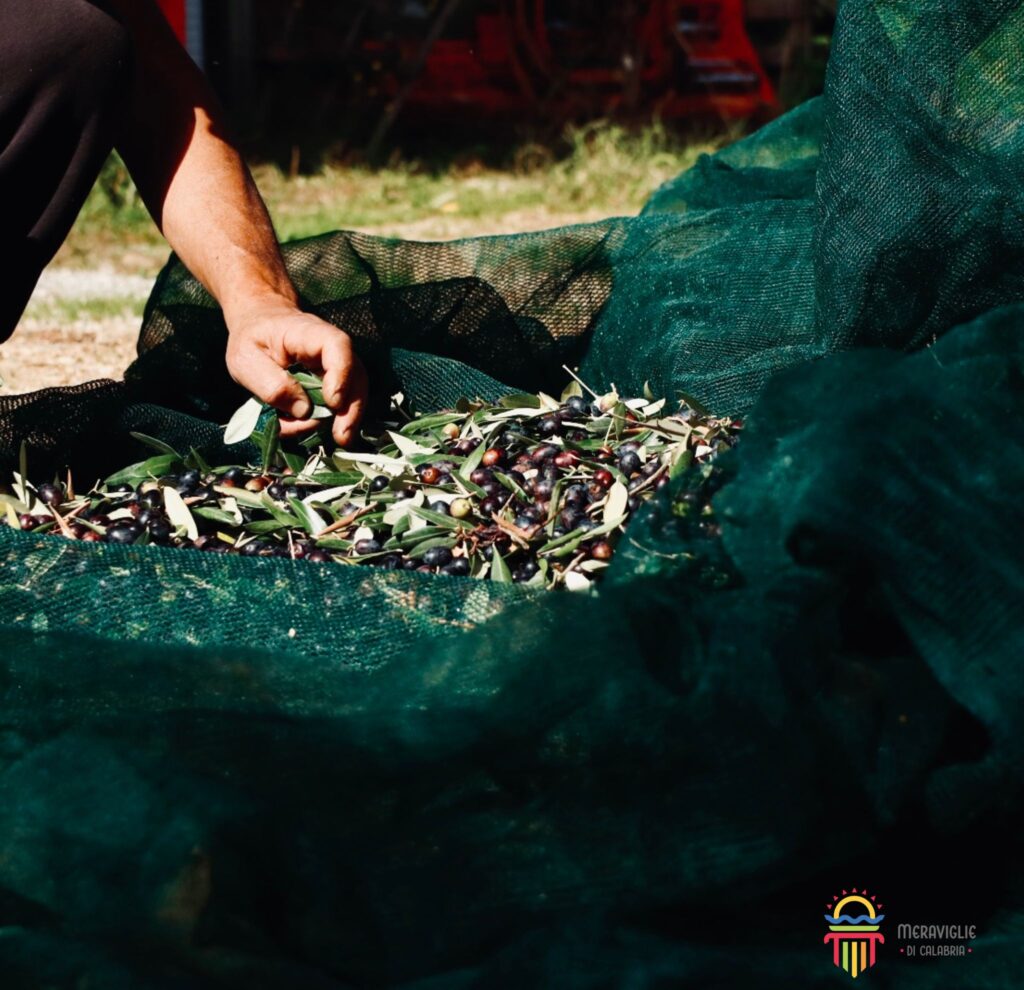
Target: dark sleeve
[[64, 63]]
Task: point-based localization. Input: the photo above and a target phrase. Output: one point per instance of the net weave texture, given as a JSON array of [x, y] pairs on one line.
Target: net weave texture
[[254, 773]]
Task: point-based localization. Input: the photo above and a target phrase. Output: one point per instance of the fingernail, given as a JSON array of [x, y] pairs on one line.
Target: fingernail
[[300, 408]]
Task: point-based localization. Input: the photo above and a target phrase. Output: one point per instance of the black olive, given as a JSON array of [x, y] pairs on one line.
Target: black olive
[[525, 571], [441, 508], [549, 426], [318, 557], [379, 483], [50, 494], [458, 567], [572, 517], [410, 564], [577, 495], [437, 557], [482, 476], [577, 405], [489, 506], [276, 490], [160, 530], [524, 521], [152, 499], [629, 463], [188, 481], [543, 487], [543, 453], [124, 532], [364, 547]]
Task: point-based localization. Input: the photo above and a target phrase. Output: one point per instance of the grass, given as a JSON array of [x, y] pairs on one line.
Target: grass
[[61, 311], [600, 170]]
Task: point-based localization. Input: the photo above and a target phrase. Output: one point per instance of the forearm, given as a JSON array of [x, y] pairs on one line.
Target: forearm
[[192, 179], [214, 218]]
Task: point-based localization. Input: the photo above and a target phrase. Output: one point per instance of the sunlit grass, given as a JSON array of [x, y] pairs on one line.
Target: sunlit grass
[[601, 170]]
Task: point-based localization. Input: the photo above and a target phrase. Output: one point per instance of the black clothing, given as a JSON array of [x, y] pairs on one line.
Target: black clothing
[[63, 71]]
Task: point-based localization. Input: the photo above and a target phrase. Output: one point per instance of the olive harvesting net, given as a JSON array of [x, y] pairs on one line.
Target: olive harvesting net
[[224, 771]]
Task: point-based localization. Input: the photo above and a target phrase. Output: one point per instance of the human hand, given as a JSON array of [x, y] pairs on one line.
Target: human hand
[[265, 342]]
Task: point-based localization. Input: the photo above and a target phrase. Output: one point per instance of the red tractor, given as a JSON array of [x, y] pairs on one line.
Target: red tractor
[[537, 59], [571, 58]]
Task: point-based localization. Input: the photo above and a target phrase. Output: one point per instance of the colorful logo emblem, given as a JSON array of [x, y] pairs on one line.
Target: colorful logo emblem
[[853, 922]]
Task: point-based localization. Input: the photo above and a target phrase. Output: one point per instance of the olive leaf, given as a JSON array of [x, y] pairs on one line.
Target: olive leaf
[[616, 503], [433, 422], [152, 468], [574, 581], [241, 425], [445, 522], [472, 462], [520, 400], [312, 521], [499, 569], [409, 448], [269, 442], [178, 513], [195, 460], [158, 445], [12, 516]]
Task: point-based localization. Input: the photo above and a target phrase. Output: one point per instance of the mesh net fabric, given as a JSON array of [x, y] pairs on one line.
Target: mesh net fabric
[[219, 772]]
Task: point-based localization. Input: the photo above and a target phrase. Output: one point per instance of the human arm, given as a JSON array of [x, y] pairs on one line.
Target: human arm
[[202, 197]]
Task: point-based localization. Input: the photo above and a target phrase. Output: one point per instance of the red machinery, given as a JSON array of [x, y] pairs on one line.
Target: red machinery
[[567, 58], [174, 11], [541, 59]]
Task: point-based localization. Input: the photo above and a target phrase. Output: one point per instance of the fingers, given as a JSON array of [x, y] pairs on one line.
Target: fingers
[[327, 349], [255, 370], [338, 363], [298, 427], [317, 345], [344, 378], [347, 421]]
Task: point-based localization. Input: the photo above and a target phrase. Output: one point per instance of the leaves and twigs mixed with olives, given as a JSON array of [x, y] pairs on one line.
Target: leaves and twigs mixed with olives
[[533, 490]]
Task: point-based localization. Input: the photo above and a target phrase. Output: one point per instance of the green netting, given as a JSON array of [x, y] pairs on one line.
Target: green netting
[[235, 773]]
